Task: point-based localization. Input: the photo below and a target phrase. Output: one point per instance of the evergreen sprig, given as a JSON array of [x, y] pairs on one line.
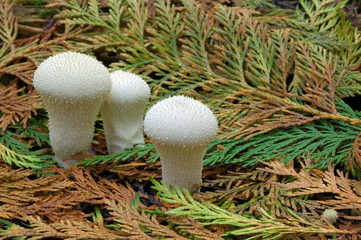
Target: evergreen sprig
[[323, 142], [264, 227], [14, 137], [90, 13], [323, 14], [32, 160], [139, 150], [18, 143]]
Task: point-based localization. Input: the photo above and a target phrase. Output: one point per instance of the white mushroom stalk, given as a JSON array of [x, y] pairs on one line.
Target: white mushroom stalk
[[73, 86], [123, 111], [181, 128]]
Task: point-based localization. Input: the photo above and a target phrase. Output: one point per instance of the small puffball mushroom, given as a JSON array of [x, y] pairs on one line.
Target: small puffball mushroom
[[123, 111], [331, 215], [181, 128], [73, 86]]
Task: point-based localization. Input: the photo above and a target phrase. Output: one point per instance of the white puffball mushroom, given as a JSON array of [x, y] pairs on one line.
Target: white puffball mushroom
[[73, 86], [331, 215], [181, 128], [123, 111]]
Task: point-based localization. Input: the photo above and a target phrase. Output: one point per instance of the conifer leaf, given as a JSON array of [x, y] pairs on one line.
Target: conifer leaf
[[32, 160], [132, 221], [140, 151], [312, 181], [266, 227], [16, 107], [8, 23], [326, 141], [323, 14]]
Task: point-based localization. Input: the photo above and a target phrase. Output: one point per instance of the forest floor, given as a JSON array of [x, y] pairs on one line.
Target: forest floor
[[267, 195]]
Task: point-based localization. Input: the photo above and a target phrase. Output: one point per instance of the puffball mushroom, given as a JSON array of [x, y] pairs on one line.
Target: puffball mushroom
[[73, 86], [123, 111], [331, 215], [181, 128]]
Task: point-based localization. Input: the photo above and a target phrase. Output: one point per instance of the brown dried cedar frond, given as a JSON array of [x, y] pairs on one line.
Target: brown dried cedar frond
[[132, 221], [66, 229], [238, 185], [19, 70], [16, 106], [7, 174], [346, 193], [86, 230], [62, 195], [138, 170], [53, 197], [21, 196], [101, 188], [258, 188], [8, 23], [92, 186], [191, 226]]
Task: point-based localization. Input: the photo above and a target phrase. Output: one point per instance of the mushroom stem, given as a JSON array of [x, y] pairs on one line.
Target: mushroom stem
[[71, 127], [123, 127], [173, 166], [123, 111]]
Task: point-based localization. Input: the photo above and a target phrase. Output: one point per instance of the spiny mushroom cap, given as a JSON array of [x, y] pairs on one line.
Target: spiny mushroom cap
[[71, 75], [127, 88], [180, 120]]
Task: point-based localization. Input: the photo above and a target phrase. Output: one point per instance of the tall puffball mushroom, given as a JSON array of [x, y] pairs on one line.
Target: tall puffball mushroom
[[123, 111], [181, 128], [73, 86]]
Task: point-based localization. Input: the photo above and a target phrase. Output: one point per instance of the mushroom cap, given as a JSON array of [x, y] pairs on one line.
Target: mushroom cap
[[127, 88], [70, 76], [180, 120]]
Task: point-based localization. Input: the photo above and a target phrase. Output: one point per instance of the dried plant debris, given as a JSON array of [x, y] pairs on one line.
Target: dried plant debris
[[278, 80]]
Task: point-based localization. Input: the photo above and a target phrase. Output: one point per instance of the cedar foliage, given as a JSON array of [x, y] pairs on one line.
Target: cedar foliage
[[288, 146]]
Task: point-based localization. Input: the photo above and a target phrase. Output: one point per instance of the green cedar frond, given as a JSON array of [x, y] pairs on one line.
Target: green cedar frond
[[233, 45], [16, 151], [76, 14], [135, 49], [8, 24], [170, 28], [323, 14], [13, 133], [33, 160], [140, 151], [9, 140], [323, 142], [198, 30], [255, 3], [266, 227], [350, 53]]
